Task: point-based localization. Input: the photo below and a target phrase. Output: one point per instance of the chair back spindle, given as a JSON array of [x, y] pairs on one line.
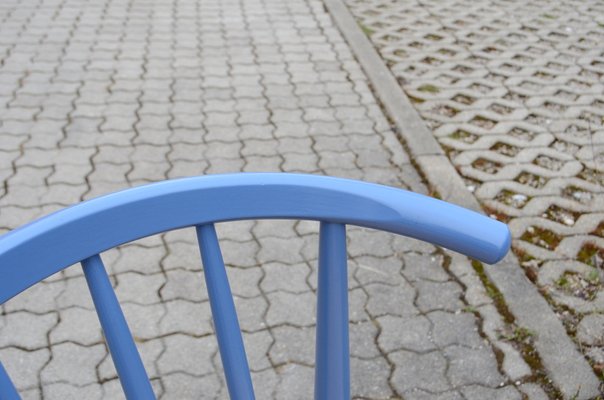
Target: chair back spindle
[[7, 388], [126, 359], [332, 370], [228, 333]]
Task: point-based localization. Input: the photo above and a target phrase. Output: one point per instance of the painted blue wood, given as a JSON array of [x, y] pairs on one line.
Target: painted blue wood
[[332, 371], [125, 357], [230, 343], [7, 389], [44, 247]]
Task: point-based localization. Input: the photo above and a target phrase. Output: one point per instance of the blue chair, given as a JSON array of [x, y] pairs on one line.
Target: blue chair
[[79, 233]]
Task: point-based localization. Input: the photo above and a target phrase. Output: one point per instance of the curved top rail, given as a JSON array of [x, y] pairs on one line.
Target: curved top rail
[[37, 250]]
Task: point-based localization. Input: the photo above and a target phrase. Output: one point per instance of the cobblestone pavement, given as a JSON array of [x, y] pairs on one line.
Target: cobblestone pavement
[[514, 93], [97, 96]]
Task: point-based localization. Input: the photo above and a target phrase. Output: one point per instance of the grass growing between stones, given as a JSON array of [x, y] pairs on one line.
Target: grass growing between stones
[[518, 334], [366, 30], [428, 88], [520, 337], [541, 237], [592, 255]]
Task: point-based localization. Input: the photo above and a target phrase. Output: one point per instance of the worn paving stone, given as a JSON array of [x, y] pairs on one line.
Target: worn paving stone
[[290, 278], [288, 308], [386, 299], [421, 395], [187, 354], [591, 330], [296, 382], [21, 364], [370, 378], [186, 317], [473, 366], [185, 386], [73, 364], [439, 296], [16, 323], [66, 391], [293, 345], [77, 325], [419, 371], [480, 392], [413, 334], [449, 329]]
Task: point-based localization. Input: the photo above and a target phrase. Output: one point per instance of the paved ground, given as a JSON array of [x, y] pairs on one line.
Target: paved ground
[[99, 96], [513, 91]]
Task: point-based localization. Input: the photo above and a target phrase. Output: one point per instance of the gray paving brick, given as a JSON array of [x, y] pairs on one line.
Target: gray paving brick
[[73, 364], [368, 242], [473, 366], [189, 355], [590, 330], [185, 285], [424, 395], [296, 382], [449, 329], [264, 382], [144, 321], [37, 299], [21, 364], [239, 254], [369, 378], [177, 318], [149, 351], [419, 371], [67, 391], [282, 306], [533, 391], [413, 334], [439, 296], [139, 259], [479, 392], [257, 345], [30, 394], [290, 278], [77, 325], [385, 299], [378, 270], [419, 267], [263, 164], [275, 249], [293, 345], [363, 340], [185, 386], [251, 312], [357, 300], [139, 288]]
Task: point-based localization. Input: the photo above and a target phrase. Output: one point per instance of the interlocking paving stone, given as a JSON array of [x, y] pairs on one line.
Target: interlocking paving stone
[[417, 371], [106, 96], [73, 364]]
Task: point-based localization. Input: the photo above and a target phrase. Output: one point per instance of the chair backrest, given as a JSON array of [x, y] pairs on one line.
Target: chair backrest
[[81, 232]]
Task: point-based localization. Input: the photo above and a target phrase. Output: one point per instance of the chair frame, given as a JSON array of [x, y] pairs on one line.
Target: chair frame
[[80, 233]]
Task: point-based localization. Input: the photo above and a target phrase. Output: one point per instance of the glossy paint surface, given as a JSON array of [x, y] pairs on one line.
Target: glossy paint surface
[[46, 246]]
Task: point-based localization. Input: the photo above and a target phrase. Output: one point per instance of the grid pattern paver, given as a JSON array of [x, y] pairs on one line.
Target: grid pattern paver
[[513, 92]]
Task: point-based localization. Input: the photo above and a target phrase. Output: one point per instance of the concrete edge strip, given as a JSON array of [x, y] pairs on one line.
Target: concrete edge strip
[[567, 368]]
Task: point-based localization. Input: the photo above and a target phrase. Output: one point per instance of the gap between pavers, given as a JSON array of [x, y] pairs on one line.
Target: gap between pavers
[[567, 368]]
